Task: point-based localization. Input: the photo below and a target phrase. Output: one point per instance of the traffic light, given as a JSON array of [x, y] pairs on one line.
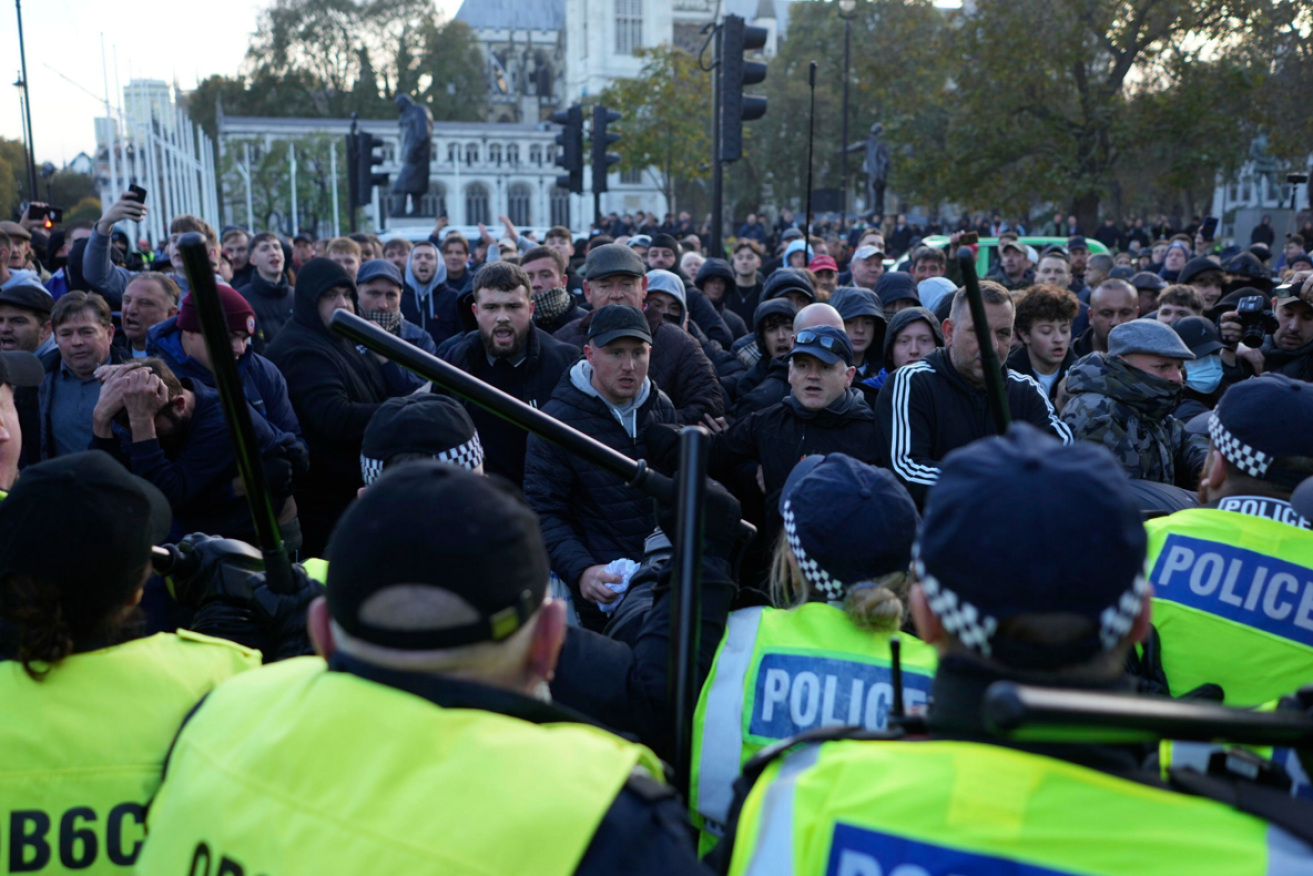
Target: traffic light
[[353, 187], [571, 154], [601, 139], [735, 73], [363, 170]]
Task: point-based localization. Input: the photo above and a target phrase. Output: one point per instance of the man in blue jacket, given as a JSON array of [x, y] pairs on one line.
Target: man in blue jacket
[[180, 343]]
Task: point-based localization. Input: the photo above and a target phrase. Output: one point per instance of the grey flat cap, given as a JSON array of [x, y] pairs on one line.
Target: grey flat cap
[[1147, 336], [611, 259]]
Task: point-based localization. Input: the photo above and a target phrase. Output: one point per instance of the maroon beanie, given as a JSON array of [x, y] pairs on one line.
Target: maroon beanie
[[241, 318]]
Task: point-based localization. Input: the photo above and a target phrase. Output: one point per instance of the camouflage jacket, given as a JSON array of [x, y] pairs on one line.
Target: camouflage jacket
[[1129, 412]]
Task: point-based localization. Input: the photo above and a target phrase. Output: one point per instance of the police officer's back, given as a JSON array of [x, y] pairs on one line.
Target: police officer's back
[[1000, 599], [423, 743], [1233, 581], [88, 706]]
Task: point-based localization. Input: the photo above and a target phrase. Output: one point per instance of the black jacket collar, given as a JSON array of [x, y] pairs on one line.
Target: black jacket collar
[[451, 693]]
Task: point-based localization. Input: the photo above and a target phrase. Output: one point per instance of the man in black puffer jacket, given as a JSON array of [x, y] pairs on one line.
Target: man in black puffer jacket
[[509, 352], [590, 518], [614, 274]]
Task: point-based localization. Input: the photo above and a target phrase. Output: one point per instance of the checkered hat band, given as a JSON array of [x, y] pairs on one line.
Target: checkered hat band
[[1249, 460], [826, 584], [468, 455], [976, 630]]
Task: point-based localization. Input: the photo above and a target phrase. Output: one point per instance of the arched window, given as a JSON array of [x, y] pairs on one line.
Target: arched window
[[472, 153], [494, 153], [519, 199], [536, 154], [512, 154], [560, 207], [435, 202], [476, 204]]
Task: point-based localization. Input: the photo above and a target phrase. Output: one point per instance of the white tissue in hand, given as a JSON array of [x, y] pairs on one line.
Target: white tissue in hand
[[625, 569]]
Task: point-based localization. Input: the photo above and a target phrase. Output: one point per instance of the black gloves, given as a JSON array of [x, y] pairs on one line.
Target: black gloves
[[224, 580], [722, 532]]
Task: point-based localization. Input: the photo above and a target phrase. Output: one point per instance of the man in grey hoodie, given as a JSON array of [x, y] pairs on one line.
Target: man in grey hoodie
[[589, 517]]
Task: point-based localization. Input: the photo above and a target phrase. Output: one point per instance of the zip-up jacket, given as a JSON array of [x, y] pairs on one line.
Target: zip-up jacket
[[927, 409]]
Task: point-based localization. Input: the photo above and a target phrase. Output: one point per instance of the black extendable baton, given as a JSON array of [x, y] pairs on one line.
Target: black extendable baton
[[997, 392], [196, 262], [686, 595], [1035, 714], [634, 472]]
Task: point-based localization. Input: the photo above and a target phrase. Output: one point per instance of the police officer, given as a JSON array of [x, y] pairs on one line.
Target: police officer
[[821, 655], [89, 706], [997, 605], [422, 741], [1233, 580]]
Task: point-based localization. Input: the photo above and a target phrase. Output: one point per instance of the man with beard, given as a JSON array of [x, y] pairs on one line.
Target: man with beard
[[512, 354]]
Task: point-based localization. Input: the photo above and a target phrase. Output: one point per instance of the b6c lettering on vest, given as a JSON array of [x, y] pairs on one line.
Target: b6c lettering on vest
[[795, 692], [78, 836], [1240, 585]]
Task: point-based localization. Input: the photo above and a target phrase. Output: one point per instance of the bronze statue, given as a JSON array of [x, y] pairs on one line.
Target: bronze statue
[[416, 146], [875, 165]]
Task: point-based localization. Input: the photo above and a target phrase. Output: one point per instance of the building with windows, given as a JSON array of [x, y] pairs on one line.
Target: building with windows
[[478, 171], [524, 56], [147, 99]]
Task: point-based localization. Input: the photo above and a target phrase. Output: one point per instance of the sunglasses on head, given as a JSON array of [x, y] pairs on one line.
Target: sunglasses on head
[[827, 342]]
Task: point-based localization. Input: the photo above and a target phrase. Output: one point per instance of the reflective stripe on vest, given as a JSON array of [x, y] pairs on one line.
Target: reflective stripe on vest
[[1233, 603], [780, 672], [301, 770], [81, 751], [875, 808]]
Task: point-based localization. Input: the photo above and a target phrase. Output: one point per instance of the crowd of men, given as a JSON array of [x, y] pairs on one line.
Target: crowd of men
[[1185, 363]]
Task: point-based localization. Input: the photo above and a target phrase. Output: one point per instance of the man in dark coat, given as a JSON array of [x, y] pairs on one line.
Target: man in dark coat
[[267, 289], [590, 518], [614, 274], [714, 280], [509, 352], [334, 389]]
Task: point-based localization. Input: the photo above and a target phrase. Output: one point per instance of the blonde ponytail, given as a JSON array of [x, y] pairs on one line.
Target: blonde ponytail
[[871, 605]]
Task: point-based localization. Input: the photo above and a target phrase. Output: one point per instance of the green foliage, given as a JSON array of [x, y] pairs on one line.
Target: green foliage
[[666, 124], [87, 209], [332, 58], [13, 176], [271, 178]]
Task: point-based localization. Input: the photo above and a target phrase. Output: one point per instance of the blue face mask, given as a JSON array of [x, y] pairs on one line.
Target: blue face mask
[[1204, 375]]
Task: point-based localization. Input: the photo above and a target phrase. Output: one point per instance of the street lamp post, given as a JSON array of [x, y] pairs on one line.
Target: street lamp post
[[847, 11], [27, 107]]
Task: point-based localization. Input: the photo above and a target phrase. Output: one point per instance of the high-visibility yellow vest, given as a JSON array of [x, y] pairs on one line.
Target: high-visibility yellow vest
[[865, 808], [296, 769], [81, 751], [780, 672], [316, 568], [1233, 602]]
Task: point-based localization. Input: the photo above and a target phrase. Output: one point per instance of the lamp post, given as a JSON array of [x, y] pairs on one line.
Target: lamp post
[[24, 118], [847, 11]]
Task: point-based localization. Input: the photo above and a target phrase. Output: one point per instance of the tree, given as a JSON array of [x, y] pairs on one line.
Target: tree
[[1042, 107], [665, 127], [13, 176], [271, 197]]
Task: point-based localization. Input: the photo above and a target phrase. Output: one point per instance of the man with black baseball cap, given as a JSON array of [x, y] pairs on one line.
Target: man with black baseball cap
[[967, 800], [18, 370], [437, 642], [591, 518], [25, 308], [378, 288], [614, 274], [1234, 579]]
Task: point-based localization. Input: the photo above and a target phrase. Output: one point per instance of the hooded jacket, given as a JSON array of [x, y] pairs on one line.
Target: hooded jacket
[[334, 389], [766, 383], [677, 365], [1129, 411], [587, 515], [432, 306], [263, 383], [927, 409], [272, 303], [532, 381], [899, 321], [896, 286], [720, 268]]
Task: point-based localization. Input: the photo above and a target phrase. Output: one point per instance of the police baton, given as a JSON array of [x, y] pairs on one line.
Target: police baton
[[634, 472], [686, 595], [196, 262], [1036, 714], [994, 388]]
